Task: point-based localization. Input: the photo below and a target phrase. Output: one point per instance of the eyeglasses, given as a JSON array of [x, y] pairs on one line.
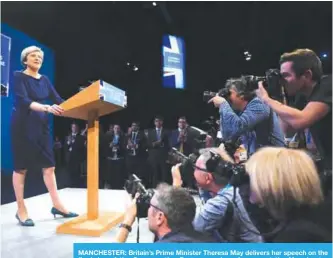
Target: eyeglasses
[[155, 207], [199, 168]]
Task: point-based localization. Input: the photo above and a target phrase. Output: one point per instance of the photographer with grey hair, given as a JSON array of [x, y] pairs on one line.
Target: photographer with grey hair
[[170, 215], [223, 214], [245, 116]]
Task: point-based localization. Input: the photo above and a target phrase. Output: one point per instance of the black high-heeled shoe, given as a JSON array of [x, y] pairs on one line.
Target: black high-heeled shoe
[[27, 223], [55, 212]]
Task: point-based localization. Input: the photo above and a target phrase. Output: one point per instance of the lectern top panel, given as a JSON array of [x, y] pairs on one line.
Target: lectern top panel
[[112, 94], [99, 96]]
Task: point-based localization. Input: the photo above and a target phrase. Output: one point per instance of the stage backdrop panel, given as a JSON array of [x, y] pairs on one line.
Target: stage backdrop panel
[[173, 51], [12, 44]]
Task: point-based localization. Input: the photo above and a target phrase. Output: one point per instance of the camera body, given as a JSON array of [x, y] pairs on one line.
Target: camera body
[[272, 81], [235, 173], [187, 164], [132, 186], [211, 126]]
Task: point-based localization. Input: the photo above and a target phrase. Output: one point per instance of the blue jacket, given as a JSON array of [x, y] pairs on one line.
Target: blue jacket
[[257, 125]]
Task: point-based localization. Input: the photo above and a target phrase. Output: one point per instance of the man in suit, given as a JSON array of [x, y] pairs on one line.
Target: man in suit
[[74, 153], [115, 154], [135, 142], [182, 138], [158, 147]]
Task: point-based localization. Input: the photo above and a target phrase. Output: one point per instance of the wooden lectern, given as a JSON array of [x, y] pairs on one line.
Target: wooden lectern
[[99, 99]]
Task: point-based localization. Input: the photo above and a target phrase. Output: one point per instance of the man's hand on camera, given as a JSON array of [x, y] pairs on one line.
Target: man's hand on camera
[[176, 176], [131, 211], [261, 92], [217, 100]]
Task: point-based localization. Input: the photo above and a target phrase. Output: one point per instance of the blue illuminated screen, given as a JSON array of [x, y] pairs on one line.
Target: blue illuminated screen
[[173, 62]]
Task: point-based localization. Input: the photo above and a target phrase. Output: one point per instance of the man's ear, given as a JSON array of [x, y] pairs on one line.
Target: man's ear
[[308, 75], [160, 217], [209, 178]]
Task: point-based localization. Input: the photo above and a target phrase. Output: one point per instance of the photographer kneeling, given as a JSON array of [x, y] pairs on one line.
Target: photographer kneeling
[[170, 215], [286, 183], [223, 215], [245, 115]]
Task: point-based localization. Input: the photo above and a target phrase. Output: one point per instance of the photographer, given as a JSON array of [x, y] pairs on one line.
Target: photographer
[[247, 117], [170, 214], [286, 183], [303, 75], [219, 215]]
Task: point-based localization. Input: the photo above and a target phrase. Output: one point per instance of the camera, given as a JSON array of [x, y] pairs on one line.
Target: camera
[[132, 186], [272, 81], [187, 165], [236, 173], [199, 138], [210, 126], [231, 146], [207, 95]]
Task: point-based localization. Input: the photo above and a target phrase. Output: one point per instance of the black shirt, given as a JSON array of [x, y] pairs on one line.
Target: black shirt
[[307, 225], [186, 236], [321, 131]]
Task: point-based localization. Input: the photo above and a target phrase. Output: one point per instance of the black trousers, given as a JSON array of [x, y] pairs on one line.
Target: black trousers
[[160, 172], [74, 171], [136, 165], [115, 173]]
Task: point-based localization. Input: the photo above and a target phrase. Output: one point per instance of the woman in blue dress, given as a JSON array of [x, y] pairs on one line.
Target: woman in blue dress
[[31, 137]]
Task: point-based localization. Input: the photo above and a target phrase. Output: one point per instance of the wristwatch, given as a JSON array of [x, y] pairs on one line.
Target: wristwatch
[[129, 228]]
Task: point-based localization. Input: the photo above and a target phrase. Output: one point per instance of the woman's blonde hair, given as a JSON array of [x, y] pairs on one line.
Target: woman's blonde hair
[[28, 50], [282, 179]]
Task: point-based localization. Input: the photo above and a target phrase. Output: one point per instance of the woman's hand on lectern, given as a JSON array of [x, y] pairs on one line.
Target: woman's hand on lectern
[[55, 110]]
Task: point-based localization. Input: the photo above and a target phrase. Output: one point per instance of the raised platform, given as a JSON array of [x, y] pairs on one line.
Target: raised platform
[[43, 241]]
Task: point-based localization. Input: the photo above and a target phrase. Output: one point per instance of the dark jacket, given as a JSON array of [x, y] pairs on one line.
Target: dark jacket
[[188, 144], [159, 151], [140, 140], [120, 146], [74, 148]]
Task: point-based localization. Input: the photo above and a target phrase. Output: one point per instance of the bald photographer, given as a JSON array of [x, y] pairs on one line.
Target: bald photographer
[[223, 214]]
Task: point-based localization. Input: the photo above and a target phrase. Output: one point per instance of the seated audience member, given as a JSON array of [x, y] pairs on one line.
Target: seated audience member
[[286, 183], [170, 217]]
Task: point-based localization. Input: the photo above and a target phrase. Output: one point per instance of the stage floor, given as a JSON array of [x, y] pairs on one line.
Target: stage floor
[[42, 240]]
